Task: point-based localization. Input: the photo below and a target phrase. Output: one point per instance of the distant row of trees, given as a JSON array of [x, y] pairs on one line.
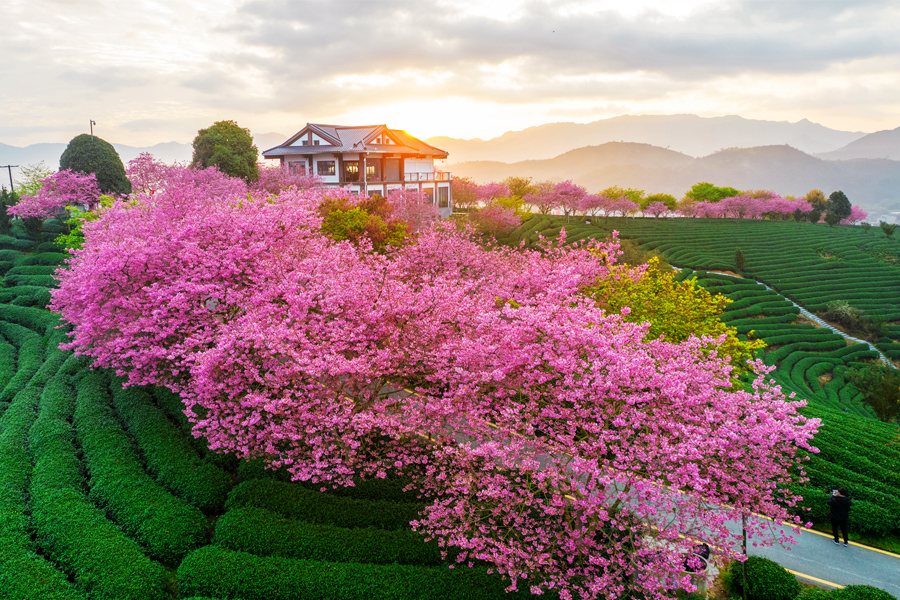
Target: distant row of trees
[[521, 194]]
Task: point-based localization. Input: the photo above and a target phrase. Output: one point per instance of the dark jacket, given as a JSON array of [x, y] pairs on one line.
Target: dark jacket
[[840, 507]]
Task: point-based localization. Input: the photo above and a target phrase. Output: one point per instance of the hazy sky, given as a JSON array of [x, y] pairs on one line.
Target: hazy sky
[[152, 71]]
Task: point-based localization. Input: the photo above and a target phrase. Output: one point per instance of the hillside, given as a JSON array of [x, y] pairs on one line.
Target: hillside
[[690, 134], [881, 144], [874, 184]]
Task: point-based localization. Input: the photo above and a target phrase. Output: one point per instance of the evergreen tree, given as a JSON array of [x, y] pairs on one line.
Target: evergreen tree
[[229, 147], [838, 205], [7, 199], [89, 154]]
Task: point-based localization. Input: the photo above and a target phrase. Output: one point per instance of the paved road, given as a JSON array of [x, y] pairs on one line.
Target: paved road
[[816, 557]]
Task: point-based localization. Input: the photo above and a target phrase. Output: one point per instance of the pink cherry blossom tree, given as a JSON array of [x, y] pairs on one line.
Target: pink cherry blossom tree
[[856, 215], [569, 197], [656, 209], [59, 190], [556, 441]]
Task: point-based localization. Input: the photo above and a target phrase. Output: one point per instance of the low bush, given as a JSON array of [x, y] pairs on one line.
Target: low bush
[[42, 322], [45, 258], [766, 580], [265, 533], [218, 572], [47, 246], [70, 529], [48, 281], [296, 502], [860, 592], [29, 356], [166, 526], [169, 456], [11, 243]]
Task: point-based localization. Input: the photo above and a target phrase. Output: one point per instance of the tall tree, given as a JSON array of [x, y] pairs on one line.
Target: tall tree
[[596, 456], [838, 205], [89, 154], [229, 147], [707, 192], [816, 198], [7, 200], [518, 186]]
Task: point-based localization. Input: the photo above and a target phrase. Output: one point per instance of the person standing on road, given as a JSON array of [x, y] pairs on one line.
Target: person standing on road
[[840, 504]]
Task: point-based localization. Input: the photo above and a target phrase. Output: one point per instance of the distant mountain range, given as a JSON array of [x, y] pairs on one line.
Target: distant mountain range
[[653, 153], [689, 134], [874, 184], [881, 144]]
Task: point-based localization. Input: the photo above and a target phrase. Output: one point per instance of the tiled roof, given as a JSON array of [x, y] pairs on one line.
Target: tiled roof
[[353, 139]]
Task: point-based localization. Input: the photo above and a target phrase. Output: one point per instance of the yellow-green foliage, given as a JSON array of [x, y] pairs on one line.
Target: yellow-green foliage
[[675, 310]]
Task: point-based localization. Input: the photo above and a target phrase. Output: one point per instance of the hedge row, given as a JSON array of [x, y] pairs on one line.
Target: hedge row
[[70, 529], [43, 322], [166, 526], [30, 355], [390, 488], [169, 456], [216, 571], [47, 281], [23, 574], [45, 258], [295, 502], [7, 362], [11, 243], [265, 533], [30, 269], [25, 295], [13, 256]]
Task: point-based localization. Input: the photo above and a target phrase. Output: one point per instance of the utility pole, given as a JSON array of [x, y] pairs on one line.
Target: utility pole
[[744, 547], [93, 122], [9, 169]]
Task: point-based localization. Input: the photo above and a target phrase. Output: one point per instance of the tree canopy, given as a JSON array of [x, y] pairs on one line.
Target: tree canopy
[[89, 154], [707, 192], [838, 205], [229, 147], [586, 437]]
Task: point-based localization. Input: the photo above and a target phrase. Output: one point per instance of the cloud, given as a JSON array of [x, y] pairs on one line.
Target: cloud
[[272, 60]]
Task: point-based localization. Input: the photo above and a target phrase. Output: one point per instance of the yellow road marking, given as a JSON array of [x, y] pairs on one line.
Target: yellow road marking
[[816, 579]]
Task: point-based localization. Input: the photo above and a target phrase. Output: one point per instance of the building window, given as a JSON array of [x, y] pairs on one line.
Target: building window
[[429, 195], [443, 197], [351, 170], [297, 167], [304, 142], [325, 167], [315, 142]]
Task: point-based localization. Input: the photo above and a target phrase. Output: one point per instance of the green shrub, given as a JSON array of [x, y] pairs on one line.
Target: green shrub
[[11, 243], [766, 580], [860, 592], [296, 502], [70, 529], [169, 455], [166, 526], [215, 571], [47, 246], [47, 281], [29, 357], [814, 594], [90, 154], [45, 258], [40, 321], [265, 533]]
